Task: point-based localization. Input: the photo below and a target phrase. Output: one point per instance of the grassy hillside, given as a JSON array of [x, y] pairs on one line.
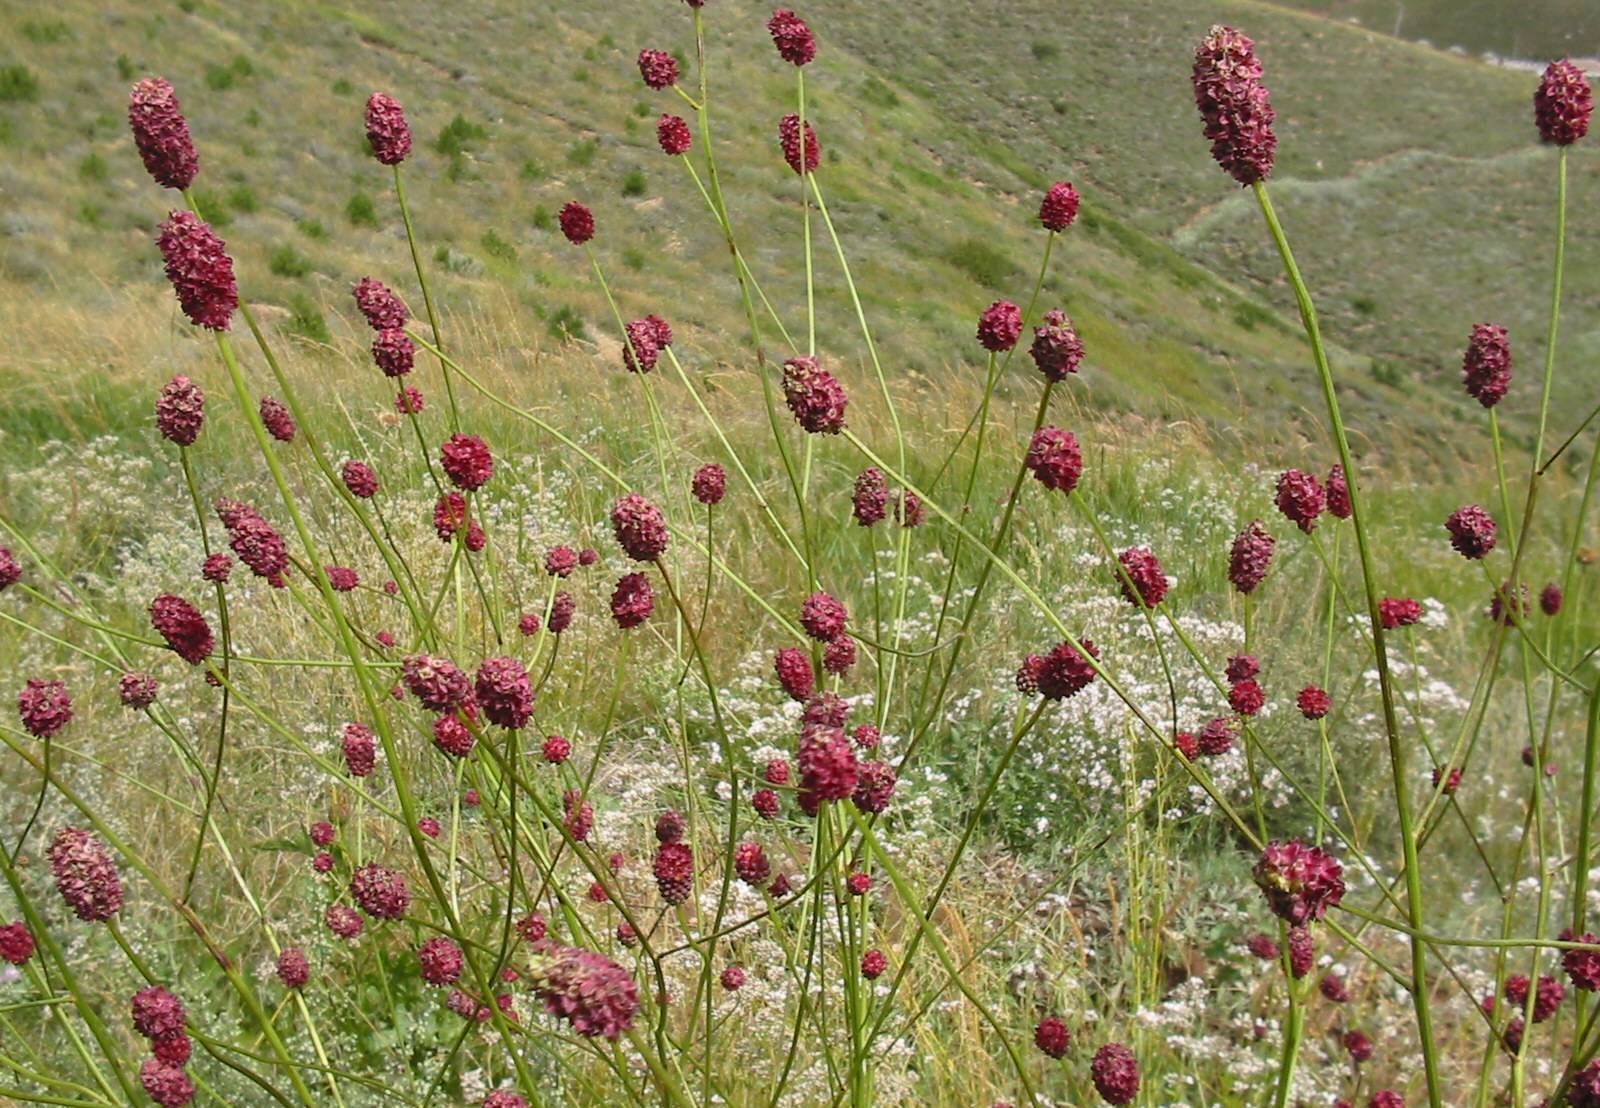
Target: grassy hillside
[[937, 135], [1540, 28]]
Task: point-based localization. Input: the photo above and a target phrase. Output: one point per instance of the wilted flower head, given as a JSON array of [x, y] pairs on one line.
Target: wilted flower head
[[387, 131], [796, 45], [588, 990], [1486, 366], [182, 626], [1472, 531], [1300, 498], [85, 876], [162, 134], [180, 411], [639, 527], [1059, 207], [1250, 557], [814, 396], [1234, 105], [1300, 882], [200, 270], [658, 68], [999, 326], [789, 139], [44, 707], [673, 135], [1562, 104], [577, 222], [1055, 459], [1057, 350]]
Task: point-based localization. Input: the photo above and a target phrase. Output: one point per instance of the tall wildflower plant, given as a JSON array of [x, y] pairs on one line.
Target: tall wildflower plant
[[765, 935]]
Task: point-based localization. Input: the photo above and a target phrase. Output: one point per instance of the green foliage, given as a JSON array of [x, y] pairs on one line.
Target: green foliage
[[361, 211], [878, 94], [93, 167], [288, 262], [634, 258], [497, 247], [565, 323], [312, 229], [18, 84], [213, 207], [980, 260], [1045, 51], [242, 199], [342, 87], [125, 69], [633, 182], [306, 319], [542, 219], [581, 154], [458, 135], [47, 32], [532, 170]]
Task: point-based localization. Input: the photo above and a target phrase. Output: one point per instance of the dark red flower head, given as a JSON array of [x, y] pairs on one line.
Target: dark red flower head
[[710, 483], [873, 964], [789, 139], [642, 350], [670, 826], [1508, 609], [1246, 697], [1057, 350], [1398, 611], [1302, 952], [1000, 326], [1338, 493], [674, 871], [359, 749], [437, 683], [277, 420], [1472, 531], [16, 943], [658, 68], [504, 692], [588, 990], [1144, 571], [1300, 498], [1550, 599], [382, 308], [1358, 1046], [1582, 966], [157, 1012], [1584, 1092], [577, 222], [1055, 459], [1313, 702], [44, 707], [388, 133], [814, 396], [1300, 882], [162, 134], [165, 1084], [673, 135], [556, 750], [381, 892], [828, 767], [200, 270], [1234, 105], [85, 876], [870, 499], [840, 654], [182, 626], [1116, 1074], [440, 961], [1052, 1037], [822, 616], [1562, 104], [180, 411], [562, 609], [1216, 737], [632, 601], [1250, 557], [751, 864], [294, 970], [1486, 366], [10, 569], [639, 527], [466, 461], [360, 479], [794, 672], [394, 352], [1059, 207], [875, 786], [1065, 671], [794, 40], [1263, 946], [254, 540]]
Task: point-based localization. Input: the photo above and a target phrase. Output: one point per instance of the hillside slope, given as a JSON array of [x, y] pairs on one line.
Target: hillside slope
[[937, 132]]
